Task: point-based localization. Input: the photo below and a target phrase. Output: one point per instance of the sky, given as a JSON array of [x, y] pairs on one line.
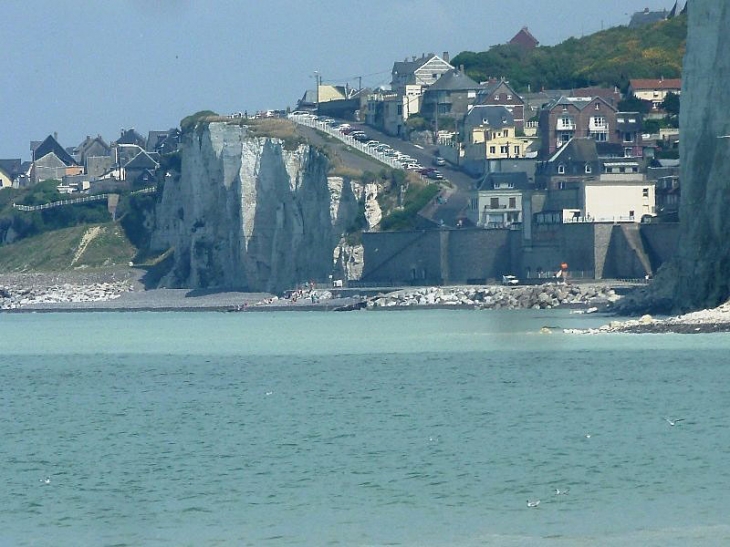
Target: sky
[[96, 67]]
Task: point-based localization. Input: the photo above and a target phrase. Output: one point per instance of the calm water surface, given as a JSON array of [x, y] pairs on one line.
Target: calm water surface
[[412, 428]]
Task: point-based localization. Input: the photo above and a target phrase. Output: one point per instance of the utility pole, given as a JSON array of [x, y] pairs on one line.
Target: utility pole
[[316, 83]]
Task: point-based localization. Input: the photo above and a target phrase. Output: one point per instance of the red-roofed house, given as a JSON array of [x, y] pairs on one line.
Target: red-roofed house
[[654, 90], [525, 39]]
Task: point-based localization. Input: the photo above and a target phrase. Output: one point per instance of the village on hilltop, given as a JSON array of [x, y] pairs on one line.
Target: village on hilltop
[[564, 175]]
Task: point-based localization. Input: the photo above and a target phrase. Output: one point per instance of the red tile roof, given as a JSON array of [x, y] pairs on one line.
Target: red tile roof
[[659, 83]]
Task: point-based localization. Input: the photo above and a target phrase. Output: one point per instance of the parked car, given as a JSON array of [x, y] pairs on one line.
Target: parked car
[[510, 280], [434, 174], [439, 161]]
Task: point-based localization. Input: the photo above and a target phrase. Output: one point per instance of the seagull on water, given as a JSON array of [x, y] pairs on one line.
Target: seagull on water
[[673, 422], [47, 480], [559, 492], [533, 503]]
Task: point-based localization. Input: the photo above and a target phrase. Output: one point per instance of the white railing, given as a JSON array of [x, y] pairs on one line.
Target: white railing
[[95, 197], [347, 139]]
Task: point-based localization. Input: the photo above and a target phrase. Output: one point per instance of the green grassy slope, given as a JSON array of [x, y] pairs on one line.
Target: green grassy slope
[[87, 246]]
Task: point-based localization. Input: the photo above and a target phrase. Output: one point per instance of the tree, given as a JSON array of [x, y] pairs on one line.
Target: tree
[[671, 104], [634, 104]]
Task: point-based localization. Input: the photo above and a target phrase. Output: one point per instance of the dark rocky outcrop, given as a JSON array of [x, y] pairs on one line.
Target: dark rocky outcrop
[[699, 276]]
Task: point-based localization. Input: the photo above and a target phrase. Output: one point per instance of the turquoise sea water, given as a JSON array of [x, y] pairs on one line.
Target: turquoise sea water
[[412, 428]]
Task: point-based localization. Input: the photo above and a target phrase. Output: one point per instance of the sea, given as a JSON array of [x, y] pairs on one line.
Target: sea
[[389, 428]]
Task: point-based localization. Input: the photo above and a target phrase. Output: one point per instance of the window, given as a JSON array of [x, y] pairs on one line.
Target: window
[[509, 97], [492, 149], [589, 169], [561, 169], [494, 203], [496, 98], [628, 137], [598, 106], [504, 149], [505, 133], [517, 150], [512, 203], [645, 192]]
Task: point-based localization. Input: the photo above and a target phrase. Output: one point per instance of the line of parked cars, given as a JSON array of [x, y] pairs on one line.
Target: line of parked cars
[[407, 162]]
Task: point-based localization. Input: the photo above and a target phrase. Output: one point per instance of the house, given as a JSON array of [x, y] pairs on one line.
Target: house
[[130, 136], [592, 188], [629, 126], [140, 170], [490, 134], [163, 142], [496, 201], [576, 117], [423, 71], [654, 90], [450, 97], [10, 169], [88, 153], [500, 93], [524, 39], [647, 17], [52, 161]]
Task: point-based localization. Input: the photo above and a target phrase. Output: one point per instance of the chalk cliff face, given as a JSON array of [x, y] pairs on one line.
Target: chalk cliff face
[[700, 275], [247, 212]]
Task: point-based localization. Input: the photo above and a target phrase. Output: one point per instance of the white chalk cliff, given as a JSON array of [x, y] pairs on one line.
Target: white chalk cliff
[[251, 212]]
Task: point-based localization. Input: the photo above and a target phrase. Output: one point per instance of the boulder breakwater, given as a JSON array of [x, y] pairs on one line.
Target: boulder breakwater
[[546, 296]]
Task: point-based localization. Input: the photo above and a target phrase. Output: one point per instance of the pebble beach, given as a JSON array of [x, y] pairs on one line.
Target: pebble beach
[[123, 290]]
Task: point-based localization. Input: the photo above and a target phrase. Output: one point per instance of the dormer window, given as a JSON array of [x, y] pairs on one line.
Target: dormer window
[[561, 169], [589, 169], [598, 106]]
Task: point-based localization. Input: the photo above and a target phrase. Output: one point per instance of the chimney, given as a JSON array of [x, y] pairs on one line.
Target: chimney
[[445, 56]]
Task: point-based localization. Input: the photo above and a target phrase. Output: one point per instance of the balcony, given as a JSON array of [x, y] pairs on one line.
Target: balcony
[[565, 125]]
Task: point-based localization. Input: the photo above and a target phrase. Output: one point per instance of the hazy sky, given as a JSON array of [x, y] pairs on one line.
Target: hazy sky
[[88, 67]]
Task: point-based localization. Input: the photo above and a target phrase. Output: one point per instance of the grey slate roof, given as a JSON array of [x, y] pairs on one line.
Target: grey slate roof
[[130, 136], [49, 145], [493, 116], [143, 160], [577, 149], [518, 179], [626, 125], [409, 67], [11, 167], [453, 80]]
